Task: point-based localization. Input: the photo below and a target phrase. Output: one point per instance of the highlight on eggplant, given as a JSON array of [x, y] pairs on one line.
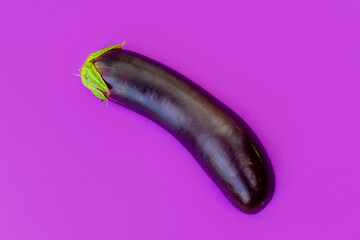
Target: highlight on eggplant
[[222, 143]]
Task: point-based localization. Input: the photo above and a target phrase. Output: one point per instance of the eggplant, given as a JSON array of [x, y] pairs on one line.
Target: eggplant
[[221, 142]]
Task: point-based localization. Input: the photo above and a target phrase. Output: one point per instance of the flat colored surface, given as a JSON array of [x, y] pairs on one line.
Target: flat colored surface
[[72, 168]]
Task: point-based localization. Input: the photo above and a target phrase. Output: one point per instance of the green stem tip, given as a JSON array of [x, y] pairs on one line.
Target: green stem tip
[[91, 78]]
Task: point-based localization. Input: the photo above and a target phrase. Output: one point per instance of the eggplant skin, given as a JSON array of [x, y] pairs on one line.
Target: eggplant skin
[[220, 141]]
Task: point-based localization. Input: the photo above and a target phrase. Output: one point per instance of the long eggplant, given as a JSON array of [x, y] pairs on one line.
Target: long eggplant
[[221, 142]]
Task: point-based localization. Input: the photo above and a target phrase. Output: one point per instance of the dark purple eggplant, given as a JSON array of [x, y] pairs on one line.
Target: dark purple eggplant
[[221, 142]]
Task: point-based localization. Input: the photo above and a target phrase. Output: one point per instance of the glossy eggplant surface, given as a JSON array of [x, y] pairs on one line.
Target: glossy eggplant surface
[[220, 141]]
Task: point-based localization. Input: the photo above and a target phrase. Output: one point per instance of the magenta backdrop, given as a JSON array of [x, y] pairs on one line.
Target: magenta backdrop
[[72, 168]]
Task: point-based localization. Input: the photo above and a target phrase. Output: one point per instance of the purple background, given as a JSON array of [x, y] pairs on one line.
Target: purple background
[[72, 168]]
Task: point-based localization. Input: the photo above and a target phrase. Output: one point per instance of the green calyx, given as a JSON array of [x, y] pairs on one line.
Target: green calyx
[[91, 78]]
